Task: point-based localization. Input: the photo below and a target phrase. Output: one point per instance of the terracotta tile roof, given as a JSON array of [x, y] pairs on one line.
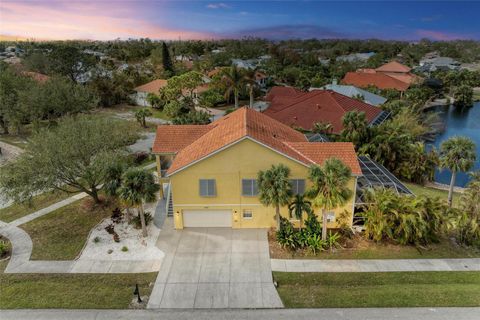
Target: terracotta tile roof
[[232, 128], [152, 87], [393, 66], [405, 77], [278, 91], [318, 106], [379, 80], [319, 152], [173, 138], [39, 77]]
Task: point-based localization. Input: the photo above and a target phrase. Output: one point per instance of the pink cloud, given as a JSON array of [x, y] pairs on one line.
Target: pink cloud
[[439, 35], [81, 20]]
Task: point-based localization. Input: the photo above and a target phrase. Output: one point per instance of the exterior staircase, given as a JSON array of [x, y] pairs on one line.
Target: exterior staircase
[[169, 202]]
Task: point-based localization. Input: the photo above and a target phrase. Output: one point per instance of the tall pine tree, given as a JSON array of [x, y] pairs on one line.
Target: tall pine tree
[[166, 60]]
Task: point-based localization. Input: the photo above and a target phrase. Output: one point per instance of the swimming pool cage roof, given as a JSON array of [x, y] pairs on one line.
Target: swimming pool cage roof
[[376, 176]]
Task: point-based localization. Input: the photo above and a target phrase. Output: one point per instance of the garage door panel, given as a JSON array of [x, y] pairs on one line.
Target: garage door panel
[[207, 218]]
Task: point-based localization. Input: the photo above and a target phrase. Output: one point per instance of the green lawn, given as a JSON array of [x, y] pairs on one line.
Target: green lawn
[[72, 291], [61, 234], [430, 192], [41, 201], [386, 289]]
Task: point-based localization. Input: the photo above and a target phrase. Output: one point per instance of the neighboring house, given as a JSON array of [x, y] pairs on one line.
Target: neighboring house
[[392, 75], [356, 57], [433, 63], [354, 92], [261, 79], [303, 109], [245, 64], [141, 92], [211, 170]]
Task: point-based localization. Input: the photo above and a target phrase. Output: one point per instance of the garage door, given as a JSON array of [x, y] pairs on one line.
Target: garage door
[[207, 218]]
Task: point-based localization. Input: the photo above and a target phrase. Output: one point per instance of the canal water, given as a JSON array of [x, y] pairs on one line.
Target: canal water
[[459, 122]]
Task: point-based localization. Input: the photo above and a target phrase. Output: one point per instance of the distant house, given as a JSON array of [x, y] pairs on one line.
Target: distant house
[[245, 64], [261, 79], [354, 92], [300, 109], [392, 75], [356, 57], [141, 92], [434, 62]]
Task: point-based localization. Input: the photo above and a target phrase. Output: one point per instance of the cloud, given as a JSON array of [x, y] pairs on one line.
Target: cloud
[[440, 35], [282, 32], [81, 20], [219, 5]]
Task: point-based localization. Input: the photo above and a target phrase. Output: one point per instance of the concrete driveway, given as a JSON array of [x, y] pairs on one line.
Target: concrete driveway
[[214, 268]]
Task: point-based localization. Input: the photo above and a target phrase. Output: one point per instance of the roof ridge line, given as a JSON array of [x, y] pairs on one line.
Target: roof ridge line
[[287, 143]]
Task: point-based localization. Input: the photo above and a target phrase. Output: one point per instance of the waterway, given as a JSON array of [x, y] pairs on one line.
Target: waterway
[[459, 122]]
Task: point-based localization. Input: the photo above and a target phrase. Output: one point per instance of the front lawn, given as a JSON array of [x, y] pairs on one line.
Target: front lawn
[[18, 210], [61, 234], [384, 289], [72, 291]]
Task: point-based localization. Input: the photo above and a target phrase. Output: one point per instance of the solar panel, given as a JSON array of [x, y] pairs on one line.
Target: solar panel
[[376, 176], [380, 118]]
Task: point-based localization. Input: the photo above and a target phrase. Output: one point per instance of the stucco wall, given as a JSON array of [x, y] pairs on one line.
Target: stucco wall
[[228, 167]]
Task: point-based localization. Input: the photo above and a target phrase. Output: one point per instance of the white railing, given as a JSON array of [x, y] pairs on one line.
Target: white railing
[[168, 198]]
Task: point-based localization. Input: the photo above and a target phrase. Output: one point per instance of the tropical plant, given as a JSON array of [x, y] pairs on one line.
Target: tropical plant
[[113, 179], [333, 240], [315, 243], [141, 115], [355, 128], [285, 234], [234, 82], [274, 188], [138, 186], [322, 128], [463, 96], [467, 229], [457, 154], [299, 206], [192, 117], [329, 187], [251, 82]]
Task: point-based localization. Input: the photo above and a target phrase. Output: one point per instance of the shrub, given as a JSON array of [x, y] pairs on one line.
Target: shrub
[[286, 235], [467, 218], [124, 249], [110, 229], [404, 219], [312, 225], [3, 248], [116, 215], [96, 239], [332, 240], [116, 237], [315, 243], [138, 224]]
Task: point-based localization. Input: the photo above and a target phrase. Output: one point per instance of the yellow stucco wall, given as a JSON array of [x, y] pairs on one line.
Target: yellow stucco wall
[[228, 167]]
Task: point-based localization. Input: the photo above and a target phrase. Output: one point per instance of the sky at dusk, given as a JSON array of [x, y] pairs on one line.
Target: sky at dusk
[[169, 20]]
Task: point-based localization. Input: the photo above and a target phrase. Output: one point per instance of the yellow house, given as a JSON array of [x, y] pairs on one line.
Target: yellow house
[[210, 170]]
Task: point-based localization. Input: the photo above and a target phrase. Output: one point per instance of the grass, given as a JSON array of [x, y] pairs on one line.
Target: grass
[[384, 289], [15, 140], [18, 210], [429, 192], [72, 291], [61, 234]]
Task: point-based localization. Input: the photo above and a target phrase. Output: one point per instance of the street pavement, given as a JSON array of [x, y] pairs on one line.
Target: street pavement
[[248, 314]]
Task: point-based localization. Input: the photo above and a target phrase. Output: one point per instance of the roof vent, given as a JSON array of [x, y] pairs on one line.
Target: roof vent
[[296, 118], [318, 106]]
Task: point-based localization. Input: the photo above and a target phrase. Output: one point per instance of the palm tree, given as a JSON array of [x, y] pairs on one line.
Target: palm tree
[[355, 128], [330, 187], [298, 206], [234, 81], [322, 127], [457, 154], [251, 82], [274, 188], [138, 186]]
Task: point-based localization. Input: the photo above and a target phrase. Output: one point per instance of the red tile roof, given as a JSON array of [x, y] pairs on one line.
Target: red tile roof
[[278, 91], [173, 138], [152, 87], [306, 109], [379, 80], [393, 66], [238, 125]]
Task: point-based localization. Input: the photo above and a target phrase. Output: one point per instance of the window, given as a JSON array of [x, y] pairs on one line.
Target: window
[[331, 216], [298, 186], [207, 188], [247, 214], [249, 187]]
